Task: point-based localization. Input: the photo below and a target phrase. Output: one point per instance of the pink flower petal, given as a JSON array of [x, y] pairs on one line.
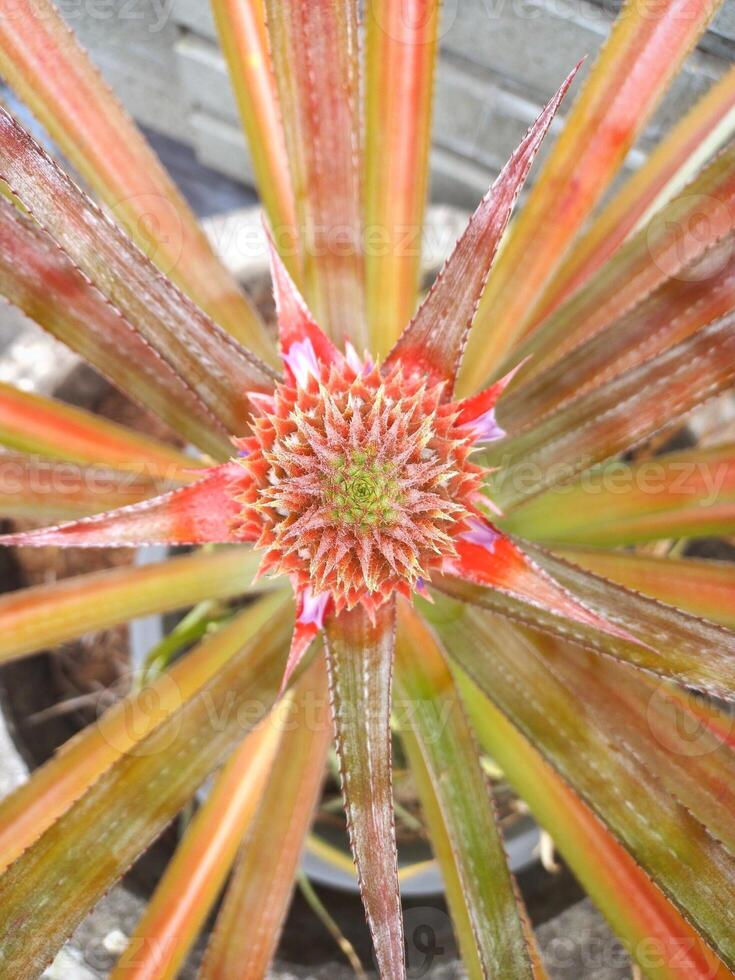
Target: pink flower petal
[[482, 534], [485, 427], [312, 608], [301, 360]]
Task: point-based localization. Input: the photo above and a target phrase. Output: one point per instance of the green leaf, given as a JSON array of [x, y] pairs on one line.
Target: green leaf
[[53, 787], [662, 726], [243, 38], [669, 167], [635, 67], [615, 416], [672, 253], [45, 427], [49, 889], [400, 60], [594, 756], [314, 46], [634, 906], [654, 637], [702, 587], [360, 662], [685, 494], [46, 615], [441, 846], [211, 363], [260, 890], [439, 738], [39, 279], [50, 490], [700, 293], [42, 60], [195, 875]]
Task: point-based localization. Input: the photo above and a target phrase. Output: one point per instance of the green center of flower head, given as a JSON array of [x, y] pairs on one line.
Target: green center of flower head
[[362, 490]]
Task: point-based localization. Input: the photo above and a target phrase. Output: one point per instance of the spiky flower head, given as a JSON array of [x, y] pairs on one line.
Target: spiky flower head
[[359, 481]]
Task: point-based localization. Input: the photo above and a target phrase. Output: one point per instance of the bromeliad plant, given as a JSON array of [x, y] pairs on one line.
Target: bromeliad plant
[[394, 501]]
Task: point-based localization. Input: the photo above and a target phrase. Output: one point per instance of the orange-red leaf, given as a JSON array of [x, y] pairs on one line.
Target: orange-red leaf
[[616, 416], [702, 587], [635, 907], [620, 624], [677, 495], [52, 885], [46, 427], [46, 615], [195, 875], [206, 358], [39, 279], [636, 65], [51, 490], [590, 748], [42, 60], [244, 41], [262, 882], [203, 513], [680, 246], [400, 57], [314, 46], [52, 788], [434, 340], [671, 164]]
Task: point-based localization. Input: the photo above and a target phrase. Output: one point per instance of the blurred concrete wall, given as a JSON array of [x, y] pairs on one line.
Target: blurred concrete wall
[[500, 60]]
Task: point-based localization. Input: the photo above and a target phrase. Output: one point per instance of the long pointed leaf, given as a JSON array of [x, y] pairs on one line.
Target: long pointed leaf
[[52, 788], [208, 359], [262, 883], [315, 55], [46, 427], [615, 416], [441, 846], [400, 59], [195, 875], [47, 891], [701, 293], [707, 126], [695, 871], [206, 512], [49, 490], [442, 736], [691, 761], [41, 59], [636, 65], [652, 636], [244, 40], [508, 576], [434, 340], [685, 494], [39, 279], [702, 587], [296, 325], [360, 661], [633, 905], [673, 245], [45, 615]]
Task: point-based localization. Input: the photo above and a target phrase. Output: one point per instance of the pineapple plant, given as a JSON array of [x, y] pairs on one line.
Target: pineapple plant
[[433, 493]]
